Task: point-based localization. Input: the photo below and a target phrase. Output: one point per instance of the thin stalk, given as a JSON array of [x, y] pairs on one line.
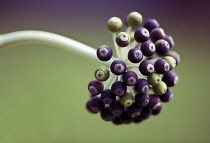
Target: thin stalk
[[51, 39]]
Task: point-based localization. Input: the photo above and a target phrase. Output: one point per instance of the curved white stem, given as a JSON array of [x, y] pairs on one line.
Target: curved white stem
[[55, 40]]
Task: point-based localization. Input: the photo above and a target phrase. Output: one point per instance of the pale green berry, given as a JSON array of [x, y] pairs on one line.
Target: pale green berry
[[171, 61], [102, 73], [160, 88], [114, 24], [134, 20], [154, 79], [127, 99]]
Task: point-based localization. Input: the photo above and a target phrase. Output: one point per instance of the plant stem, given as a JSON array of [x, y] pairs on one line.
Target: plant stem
[[51, 39]]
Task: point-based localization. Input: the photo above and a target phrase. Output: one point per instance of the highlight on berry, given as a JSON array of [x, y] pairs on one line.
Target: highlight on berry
[[139, 79]]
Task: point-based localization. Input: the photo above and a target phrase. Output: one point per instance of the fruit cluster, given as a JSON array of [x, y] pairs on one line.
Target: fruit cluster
[[141, 75]]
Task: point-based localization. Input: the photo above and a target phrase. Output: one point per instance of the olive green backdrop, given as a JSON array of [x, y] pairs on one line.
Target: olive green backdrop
[[43, 90]]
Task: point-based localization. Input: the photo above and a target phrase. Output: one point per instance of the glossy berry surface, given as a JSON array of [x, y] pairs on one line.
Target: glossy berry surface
[[132, 86], [104, 53]]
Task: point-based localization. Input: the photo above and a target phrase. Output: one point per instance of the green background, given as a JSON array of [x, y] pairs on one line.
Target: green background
[[43, 90]]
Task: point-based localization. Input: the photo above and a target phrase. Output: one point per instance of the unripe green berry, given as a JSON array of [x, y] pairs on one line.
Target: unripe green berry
[[160, 88], [114, 24], [127, 99], [171, 61], [154, 79], [134, 19], [102, 73]]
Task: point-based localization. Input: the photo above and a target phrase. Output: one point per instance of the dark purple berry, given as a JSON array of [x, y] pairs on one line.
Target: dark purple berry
[[161, 66], [170, 78], [162, 46], [130, 78], [118, 88], [175, 55], [146, 67], [89, 109], [148, 48], [107, 96], [116, 121], [104, 53], [138, 119], [154, 102], [118, 67], [141, 35], [135, 55], [167, 96], [134, 110], [95, 104], [157, 34], [116, 108], [145, 113], [157, 110], [122, 39], [95, 87], [125, 118], [170, 40], [151, 24], [142, 99], [141, 86], [106, 115]]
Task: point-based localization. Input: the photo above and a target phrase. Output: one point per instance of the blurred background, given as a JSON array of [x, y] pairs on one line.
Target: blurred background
[[43, 90]]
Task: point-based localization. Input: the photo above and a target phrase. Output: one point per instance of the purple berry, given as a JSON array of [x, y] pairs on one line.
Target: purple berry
[[148, 48], [134, 110], [125, 118], [161, 66], [167, 96], [141, 86], [175, 55], [145, 113], [130, 78], [157, 34], [89, 109], [118, 67], [107, 96], [162, 46], [146, 68], [95, 87], [122, 39], [116, 108], [118, 88], [95, 104], [104, 53], [116, 121], [170, 40], [138, 119], [154, 102], [170, 78], [142, 99], [135, 55], [141, 35], [157, 110], [151, 24], [106, 115]]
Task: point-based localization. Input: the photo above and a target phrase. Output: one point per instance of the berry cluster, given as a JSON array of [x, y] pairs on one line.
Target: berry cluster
[[141, 75]]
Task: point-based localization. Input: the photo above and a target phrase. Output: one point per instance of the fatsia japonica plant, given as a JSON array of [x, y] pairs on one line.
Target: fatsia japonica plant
[[131, 86]]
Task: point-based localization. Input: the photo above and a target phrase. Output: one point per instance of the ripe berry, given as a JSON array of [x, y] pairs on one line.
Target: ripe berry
[[145, 113], [116, 108], [118, 67], [95, 87], [104, 53], [170, 40], [95, 104], [148, 48], [167, 96], [141, 35], [157, 34], [154, 102], [134, 110], [122, 39], [170, 78], [135, 55], [106, 115], [130, 78], [162, 46], [151, 24], [142, 99], [161, 66], [118, 88], [146, 67], [157, 110], [107, 96], [141, 86]]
